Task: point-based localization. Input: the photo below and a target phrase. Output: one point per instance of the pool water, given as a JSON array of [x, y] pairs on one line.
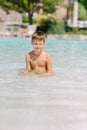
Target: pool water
[[33, 102]]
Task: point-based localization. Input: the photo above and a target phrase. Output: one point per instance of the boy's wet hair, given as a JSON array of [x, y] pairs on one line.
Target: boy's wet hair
[[39, 35]]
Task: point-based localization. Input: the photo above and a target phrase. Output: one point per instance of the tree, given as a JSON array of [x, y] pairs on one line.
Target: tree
[[29, 6], [50, 5], [82, 12], [32, 7]]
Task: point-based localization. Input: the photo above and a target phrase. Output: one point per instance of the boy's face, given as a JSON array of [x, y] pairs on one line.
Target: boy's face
[[38, 44]]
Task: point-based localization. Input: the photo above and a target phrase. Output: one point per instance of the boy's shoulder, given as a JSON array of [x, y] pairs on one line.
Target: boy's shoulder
[[28, 55], [46, 53]]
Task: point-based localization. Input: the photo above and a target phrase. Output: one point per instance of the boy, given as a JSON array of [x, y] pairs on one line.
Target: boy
[[38, 61]]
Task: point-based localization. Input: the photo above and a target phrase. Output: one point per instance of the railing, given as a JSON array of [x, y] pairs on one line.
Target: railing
[[79, 24]]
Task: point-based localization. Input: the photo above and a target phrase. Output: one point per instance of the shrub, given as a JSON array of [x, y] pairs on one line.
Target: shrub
[[57, 28], [75, 29], [44, 22], [25, 20], [82, 13]]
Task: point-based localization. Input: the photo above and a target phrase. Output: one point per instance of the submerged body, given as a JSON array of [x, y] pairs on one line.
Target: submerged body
[[38, 60]]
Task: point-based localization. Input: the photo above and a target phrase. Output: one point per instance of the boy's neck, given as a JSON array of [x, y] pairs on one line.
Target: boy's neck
[[37, 52]]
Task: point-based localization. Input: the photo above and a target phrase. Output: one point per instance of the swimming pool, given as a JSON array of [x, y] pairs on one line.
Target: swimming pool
[[38, 103]]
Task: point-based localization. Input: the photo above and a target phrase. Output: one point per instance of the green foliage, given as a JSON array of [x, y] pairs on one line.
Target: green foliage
[[50, 25], [12, 5], [82, 12], [26, 5], [57, 28], [29, 6], [83, 32], [19, 5], [77, 32], [75, 29], [83, 2], [44, 22], [50, 5], [25, 20]]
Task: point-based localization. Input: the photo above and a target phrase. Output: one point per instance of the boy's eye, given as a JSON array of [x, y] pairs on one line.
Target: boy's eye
[[38, 43], [35, 43]]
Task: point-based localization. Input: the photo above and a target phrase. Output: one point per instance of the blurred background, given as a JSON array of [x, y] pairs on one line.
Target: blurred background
[[20, 18]]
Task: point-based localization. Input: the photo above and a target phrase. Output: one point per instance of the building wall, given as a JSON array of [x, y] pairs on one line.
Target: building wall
[[63, 9], [12, 17]]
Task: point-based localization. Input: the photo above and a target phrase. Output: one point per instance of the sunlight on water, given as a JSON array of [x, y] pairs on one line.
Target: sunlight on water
[[43, 103]]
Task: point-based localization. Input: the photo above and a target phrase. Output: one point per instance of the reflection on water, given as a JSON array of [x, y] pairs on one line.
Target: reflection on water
[[38, 103]]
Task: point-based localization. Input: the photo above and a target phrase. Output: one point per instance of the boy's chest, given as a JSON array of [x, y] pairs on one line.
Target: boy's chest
[[39, 61]]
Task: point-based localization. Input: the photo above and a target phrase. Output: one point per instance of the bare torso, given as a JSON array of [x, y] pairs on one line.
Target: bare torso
[[38, 62]]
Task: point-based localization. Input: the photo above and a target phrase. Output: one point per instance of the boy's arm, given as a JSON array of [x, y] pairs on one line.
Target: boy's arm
[[27, 59], [28, 67], [49, 65]]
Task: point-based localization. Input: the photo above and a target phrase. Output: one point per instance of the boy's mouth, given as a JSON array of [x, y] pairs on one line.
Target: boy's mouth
[[37, 48]]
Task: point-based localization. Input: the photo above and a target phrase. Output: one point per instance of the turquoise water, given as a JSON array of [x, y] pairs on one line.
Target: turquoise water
[[38, 103]]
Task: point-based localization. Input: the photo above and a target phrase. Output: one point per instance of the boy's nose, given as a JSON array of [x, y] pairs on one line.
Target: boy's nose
[[38, 45]]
